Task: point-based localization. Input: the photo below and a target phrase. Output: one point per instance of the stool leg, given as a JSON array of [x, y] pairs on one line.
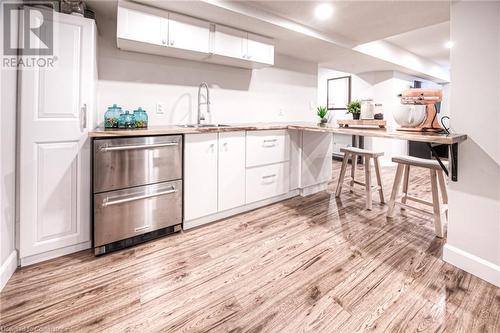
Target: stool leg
[[342, 174], [438, 223], [395, 188], [354, 163], [368, 184], [444, 191], [379, 179], [406, 179]]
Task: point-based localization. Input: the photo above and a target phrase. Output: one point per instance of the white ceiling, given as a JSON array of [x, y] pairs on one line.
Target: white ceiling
[[297, 34], [362, 21], [427, 42]]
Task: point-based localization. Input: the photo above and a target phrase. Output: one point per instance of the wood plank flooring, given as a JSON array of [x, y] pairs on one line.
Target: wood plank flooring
[[313, 264]]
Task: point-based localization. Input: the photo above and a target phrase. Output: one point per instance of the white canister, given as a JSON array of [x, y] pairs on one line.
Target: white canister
[[367, 109]]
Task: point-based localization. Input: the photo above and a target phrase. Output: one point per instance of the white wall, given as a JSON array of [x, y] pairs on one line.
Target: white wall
[[8, 253], [474, 223], [383, 87], [237, 95]]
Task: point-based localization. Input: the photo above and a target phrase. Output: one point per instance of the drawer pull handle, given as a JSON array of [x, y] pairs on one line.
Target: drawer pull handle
[[269, 176], [132, 147], [144, 227], [269, 143], [109, 201]]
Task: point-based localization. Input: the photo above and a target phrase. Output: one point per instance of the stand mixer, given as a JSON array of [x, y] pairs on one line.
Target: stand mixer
[[423, 103]]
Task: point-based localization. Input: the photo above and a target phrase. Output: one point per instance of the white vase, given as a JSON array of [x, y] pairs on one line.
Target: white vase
[[410, 115]]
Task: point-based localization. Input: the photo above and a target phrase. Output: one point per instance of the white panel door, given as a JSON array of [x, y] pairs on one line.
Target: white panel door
[[260, 49], [141, 27], [230, 42], [231, 170], [54, 183], [188, 33], [200, 175]]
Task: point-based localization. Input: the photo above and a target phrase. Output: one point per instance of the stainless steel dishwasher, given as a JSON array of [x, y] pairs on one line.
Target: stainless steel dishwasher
[[137, 190]]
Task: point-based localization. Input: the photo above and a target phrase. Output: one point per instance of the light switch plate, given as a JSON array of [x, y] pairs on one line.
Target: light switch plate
[[160, 108]]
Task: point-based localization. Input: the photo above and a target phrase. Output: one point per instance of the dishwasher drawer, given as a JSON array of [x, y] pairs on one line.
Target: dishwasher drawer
[[126, 213], [127, 162]]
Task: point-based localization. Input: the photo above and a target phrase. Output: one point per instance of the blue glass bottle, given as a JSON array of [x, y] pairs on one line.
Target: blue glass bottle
[[112, 116], [127, 120], [141, 118]]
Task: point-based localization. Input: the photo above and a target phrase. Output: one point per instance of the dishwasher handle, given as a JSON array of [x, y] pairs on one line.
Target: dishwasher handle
[[111, 201], [133, 147]]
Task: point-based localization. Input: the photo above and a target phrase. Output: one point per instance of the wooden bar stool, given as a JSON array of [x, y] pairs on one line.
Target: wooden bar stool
[[439, 211], [368, 155]]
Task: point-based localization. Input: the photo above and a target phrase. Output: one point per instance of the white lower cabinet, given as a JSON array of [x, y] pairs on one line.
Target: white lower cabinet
[[267, 181], [218, 181], [231, 173], [200, 175]]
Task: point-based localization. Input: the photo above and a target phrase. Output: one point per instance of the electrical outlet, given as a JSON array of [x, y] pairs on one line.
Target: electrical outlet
[[160, 108]]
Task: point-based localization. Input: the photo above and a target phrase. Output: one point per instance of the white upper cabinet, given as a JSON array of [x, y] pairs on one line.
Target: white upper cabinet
[[188, 33], [252, 49], [141, 27], [260, 49], [155, 31], [230, 42]]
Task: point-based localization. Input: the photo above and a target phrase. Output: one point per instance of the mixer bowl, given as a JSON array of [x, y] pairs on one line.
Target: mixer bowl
[[410, 115]]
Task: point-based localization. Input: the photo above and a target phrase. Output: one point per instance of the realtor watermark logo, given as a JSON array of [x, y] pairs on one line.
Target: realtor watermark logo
[[28, 34]]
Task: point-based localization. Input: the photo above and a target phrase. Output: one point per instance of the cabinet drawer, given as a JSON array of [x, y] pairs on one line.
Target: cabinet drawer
[[267, 147], [267, 181], [126, 213], [127, 162]]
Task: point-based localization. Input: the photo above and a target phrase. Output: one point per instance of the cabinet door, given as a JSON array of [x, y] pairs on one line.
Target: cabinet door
[[260, 49], [141, 27], [231, 170], [230, 42], [188, 33], [55, 113], [200, 175]]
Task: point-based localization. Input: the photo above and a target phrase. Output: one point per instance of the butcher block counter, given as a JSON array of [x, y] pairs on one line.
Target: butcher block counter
[[434, 138]]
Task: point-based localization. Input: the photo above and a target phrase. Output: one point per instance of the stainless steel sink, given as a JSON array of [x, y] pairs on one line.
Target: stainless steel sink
[[204, 125]]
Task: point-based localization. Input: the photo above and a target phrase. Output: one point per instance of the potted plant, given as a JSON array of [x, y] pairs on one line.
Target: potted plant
[[322, 113], [354, 108]]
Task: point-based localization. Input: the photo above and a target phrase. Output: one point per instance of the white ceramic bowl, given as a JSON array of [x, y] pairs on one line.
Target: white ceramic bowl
[[410, 115]]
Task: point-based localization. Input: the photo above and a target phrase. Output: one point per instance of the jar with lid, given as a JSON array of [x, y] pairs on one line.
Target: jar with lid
[[141, 118], [111, 116], [378, 111], [127, 120], [366, 109]]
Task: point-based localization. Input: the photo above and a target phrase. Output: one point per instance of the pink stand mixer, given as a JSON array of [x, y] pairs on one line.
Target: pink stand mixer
[[418, 112]]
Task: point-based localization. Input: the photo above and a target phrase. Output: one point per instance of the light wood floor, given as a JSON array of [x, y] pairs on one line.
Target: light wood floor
[[303, 265]]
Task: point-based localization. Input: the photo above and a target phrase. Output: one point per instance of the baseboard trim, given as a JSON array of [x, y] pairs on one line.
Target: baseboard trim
[[313, 189], [30, 260], [473, 264], [8, 268], [238, 210]]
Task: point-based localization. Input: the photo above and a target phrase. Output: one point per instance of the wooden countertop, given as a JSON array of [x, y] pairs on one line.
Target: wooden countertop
[[303, 126]]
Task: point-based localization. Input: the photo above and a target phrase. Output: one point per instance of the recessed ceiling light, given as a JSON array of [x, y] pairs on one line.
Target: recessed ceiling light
[[323, 11], [449, 44]]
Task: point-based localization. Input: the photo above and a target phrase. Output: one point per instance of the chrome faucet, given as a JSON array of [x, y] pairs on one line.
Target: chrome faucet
[[207, 102]]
